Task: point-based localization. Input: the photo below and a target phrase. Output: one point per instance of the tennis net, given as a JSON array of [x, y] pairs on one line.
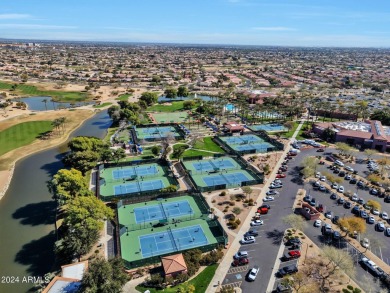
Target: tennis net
[[163, 210], [172, 239]]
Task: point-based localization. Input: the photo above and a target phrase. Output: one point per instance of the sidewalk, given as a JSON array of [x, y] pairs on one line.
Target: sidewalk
[[235, 245]]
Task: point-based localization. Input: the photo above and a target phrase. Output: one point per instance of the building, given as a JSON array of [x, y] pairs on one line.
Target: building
[[174, 265], [70, 279], [366, 134], [233, 127]]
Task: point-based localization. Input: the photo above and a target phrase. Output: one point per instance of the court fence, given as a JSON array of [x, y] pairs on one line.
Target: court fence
[[216, 229], [168, 173], [179, 131], [259, 176]]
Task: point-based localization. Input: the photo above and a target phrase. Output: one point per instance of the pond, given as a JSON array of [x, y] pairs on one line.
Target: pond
[[38, 104]]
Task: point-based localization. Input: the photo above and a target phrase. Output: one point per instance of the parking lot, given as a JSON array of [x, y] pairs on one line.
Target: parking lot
[[265, 250]]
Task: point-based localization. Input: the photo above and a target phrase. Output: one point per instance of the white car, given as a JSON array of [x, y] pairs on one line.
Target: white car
[[366, 243], [341, 189], [248, 240], [253, 273], [257, 223], [348, 168], [335, 186], [354, 197], [322, 178], [268, 198], [384, 216], [317, 184], [318, 175], [339, 163], [317, 223], [277, 181], [375, 212], [322, 188]]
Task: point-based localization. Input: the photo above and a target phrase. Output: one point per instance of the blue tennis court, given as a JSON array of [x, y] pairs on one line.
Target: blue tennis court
[[268, 127], [259, 147], [156, 132], [243, 139], [172, 240], [136, 170], [162, 211], [227, 178], [137, 186], [213, 164]]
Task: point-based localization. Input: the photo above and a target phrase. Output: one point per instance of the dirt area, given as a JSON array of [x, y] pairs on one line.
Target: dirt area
[[310, 251], [261, 160], [7, 161]]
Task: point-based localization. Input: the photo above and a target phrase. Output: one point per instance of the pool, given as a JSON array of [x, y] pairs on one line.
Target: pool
[[230, 107]]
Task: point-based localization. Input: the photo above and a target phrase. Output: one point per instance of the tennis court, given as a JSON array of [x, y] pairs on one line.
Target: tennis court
[[162, 211], [135, 171], [248, 142], [172, 240], [225, 178], [137, 186], [214, 164], [156, 132], [176, 117], [270, 127]]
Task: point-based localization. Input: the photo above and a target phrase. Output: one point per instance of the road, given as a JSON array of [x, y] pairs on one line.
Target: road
[[265, 251]]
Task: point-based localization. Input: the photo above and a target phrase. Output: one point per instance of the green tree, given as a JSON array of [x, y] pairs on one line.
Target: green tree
[[247, 190], [170, 93], [68, 184], [155, 150], [182, 91], [118, 155], [149, 98], [104, 276], [188, 105]]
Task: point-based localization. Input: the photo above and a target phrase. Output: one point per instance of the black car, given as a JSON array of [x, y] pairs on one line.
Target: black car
[[341, 200], [363, 214], [335, 219], [347, 205], [333, 196], [360, 184], [336, 171], [288, 270], [251, 233], [353, 181], [293, 241], [336, 235], [387, 199], [307, 198], [355, 210], [361, 201], [342, 174]]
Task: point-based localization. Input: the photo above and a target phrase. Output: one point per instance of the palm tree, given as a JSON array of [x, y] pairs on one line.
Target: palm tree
[[45, 101]]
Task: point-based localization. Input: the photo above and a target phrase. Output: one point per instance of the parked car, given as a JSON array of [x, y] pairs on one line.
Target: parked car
[[317, 223], [335, 219], [253, 273], [361, 201], [363, 214], [274, 186], [280, 175], [341, 189], [353, 181], [348, 168], [248, 240], [387, 231], [341, 200], [336, 235], [323, 178], [375, 212], [320, 150], [265, 206], [241, 254], [272, 192], [307, 198], [348, 177], [253, 233], [240, 262], [373, 191], [366, 243], [355, 210], [318, 175], [380, 227], [339, 163], [313, 202], [334, 196], [293, 241], [384, 216], [354, 197], [293, 254], [328, 215], [268, 198], [257, 223], [335, 185], [347, 205], [322, 188], [371, 220], [370, 266], [288, 270]]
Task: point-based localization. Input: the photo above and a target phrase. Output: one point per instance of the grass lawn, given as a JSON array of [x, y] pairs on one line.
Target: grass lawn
[[22, 134], [176, 106], [103, 105], [193, 153], [110, 131], [208, 145], [290, 133], [58, 96], [124, 97], [200, 282]]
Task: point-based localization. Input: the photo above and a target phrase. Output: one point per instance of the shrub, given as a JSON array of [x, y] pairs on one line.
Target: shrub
[[232, 203], [350, 287], [213, 201], [233, 225], [223, 193], [238, 221], [236, 210]]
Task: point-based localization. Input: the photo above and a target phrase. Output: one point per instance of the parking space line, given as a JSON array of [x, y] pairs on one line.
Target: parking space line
[[232, 285], [234, 270]]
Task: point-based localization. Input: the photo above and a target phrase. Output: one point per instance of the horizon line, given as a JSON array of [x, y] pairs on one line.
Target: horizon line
[[184, 43]]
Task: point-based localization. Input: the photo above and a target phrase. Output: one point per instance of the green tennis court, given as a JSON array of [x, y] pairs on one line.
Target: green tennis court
[[172, 117], [248, 142], [156, 132]]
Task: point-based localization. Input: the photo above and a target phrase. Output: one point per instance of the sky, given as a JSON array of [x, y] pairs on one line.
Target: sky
[[314, 23]]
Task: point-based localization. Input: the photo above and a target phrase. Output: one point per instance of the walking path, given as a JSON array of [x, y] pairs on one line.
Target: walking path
[[235, 246]]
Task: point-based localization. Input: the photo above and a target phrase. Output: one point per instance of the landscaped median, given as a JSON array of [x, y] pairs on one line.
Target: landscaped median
[[320, 268]]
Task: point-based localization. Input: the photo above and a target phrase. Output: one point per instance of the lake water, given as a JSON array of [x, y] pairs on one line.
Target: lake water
[[38, 104], [27, 212]]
